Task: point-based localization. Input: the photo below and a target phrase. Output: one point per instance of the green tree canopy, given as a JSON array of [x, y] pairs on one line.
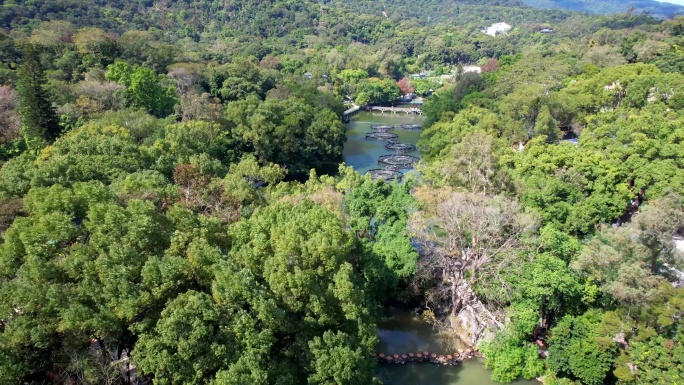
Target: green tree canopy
[[39, 121]]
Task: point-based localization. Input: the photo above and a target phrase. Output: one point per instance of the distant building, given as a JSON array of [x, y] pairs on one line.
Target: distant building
[[679, 243], [473, 69], [407, 98], [495, 28], [546, 30]]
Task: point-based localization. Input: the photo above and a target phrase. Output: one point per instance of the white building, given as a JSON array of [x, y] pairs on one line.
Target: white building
[[679, 243], [495, 28], [474, 69]]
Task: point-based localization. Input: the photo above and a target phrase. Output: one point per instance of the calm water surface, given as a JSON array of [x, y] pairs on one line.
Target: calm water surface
[[403, 331], [363, 154]]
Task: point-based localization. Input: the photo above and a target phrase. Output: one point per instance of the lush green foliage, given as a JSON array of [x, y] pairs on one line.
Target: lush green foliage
[[39, 122], [580, 293], [165, 203], [611, 6], [576, 348], [289, 132], [158, 270], [143, 88]]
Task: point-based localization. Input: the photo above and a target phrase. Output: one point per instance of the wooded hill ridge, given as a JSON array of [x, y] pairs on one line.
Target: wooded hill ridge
[[172, 192], [655, 8]]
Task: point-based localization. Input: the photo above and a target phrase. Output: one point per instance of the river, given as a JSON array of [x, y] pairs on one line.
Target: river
[[402, 331]]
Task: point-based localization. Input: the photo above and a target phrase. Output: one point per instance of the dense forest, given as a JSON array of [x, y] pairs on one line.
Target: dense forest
[[173, 197], [654, 7]]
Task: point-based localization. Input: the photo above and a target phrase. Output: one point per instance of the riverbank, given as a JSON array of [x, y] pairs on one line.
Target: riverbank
[[347, 114]]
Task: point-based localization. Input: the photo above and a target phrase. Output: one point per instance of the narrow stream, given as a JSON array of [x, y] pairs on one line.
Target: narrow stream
[[402, 331]]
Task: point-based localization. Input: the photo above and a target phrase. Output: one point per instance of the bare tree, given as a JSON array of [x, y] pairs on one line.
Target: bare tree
[[185, 76], [199, 107], [91, 367], [96, 97], [463, 232], [9, 115]]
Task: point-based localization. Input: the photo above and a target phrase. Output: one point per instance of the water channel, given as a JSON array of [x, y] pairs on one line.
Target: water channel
[[403, 331]]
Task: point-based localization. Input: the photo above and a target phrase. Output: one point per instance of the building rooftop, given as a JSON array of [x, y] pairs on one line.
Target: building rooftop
[[495, 28]]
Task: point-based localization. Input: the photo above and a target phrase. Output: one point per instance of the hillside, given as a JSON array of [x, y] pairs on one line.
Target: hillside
[[605, 7], [265, 18], [181, 202]]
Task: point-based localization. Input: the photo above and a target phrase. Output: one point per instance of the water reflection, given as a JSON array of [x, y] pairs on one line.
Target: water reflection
[[402, 331], [419, 375], [363, 154]]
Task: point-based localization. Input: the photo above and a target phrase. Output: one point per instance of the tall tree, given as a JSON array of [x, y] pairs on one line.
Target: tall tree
[[631, 263], [463, 233], [39, 121], [546, 125], [144, 88], [577, 347]]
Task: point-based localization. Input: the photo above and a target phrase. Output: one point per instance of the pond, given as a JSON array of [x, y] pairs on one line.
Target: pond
[[402, 331], [363, 154]]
